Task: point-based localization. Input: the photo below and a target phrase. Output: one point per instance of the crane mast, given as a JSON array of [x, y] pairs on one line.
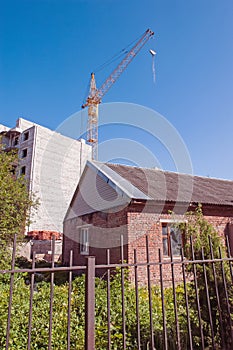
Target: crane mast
[[95, 95]]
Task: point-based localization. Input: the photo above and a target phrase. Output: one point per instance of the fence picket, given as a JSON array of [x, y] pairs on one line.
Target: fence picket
[[155, 273]]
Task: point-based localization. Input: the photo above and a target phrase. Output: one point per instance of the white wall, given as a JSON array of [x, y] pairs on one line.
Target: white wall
[[54, 164], [57, 163]]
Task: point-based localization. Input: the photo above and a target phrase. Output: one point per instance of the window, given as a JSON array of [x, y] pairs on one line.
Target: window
[[24, 153], [23, 170], [26, 136], [84, 241], [172, 239], [16, 141]]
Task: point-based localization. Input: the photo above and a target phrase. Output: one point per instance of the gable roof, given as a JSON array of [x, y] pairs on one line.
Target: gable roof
[[99, 189], [103, 186], [170, 186], [120, 183]]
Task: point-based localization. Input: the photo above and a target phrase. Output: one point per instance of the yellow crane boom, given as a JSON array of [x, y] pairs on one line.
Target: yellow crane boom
[[95, 95]]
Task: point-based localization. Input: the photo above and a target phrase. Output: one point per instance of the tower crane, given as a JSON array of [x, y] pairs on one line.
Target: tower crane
[[95, 95]]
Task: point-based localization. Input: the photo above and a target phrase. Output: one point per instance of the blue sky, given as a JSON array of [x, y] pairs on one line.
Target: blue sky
[[48, 48]]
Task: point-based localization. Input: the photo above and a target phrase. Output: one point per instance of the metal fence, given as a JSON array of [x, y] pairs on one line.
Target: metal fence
[[172, 303]]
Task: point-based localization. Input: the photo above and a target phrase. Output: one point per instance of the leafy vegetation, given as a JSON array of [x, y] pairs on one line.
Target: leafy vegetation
[[41, 307], [204, 242], [195, 226], [40, 326], [15, 200]]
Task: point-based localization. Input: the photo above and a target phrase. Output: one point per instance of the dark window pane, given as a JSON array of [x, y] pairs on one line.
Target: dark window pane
[[16, 141], [26, 136], [165, 246], [175, 237], [23, 170], [164, 230], [24, 153]]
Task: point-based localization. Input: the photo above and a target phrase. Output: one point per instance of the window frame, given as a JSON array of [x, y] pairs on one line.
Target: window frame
[[84, 240], [16, 141], [24, 153], [25, 135], [23, 170], [170, 225]]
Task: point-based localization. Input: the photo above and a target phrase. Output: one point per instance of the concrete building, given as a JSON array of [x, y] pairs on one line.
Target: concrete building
[[52, 164]]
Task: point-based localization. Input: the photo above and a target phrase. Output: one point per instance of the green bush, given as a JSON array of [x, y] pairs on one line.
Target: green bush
[[41, 304], [41, 310]]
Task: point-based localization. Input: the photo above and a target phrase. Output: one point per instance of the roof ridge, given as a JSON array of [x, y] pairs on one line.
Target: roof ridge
[[168, 172]]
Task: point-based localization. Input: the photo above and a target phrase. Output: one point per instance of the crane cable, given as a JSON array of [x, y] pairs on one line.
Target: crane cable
[[116, 56], [111, 60]]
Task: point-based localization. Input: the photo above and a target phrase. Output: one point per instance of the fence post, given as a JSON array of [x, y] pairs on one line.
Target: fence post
[[90, 304]]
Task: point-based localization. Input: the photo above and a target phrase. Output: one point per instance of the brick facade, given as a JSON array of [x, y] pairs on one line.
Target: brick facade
[[105, 232], [149, 224], [44, 235], [114, 201], [134, 223]]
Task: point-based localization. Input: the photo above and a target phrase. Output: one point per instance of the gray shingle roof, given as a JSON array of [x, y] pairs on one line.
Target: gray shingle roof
[[170, 186]]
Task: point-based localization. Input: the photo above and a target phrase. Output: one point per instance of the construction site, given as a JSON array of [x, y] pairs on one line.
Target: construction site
[[125, 248], [53, 163]]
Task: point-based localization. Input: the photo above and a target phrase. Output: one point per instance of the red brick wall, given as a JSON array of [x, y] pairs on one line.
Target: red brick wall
[[142, 224], [134, 224], [105, 232], [44, 235]]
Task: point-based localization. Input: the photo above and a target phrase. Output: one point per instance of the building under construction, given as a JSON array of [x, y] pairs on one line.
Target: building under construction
[[52, 164]]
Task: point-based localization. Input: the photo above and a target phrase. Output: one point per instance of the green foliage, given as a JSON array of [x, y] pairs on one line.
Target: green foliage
[[207, 244], [5, 264], [15, 200], [41, 304], [201, 232]]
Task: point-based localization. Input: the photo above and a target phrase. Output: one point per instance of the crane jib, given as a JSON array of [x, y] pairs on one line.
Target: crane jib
[[95, 95]]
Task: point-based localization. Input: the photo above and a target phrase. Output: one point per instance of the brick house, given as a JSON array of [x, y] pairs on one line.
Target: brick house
[[114, 201]]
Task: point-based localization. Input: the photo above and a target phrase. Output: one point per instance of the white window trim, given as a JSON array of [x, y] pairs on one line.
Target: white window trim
[[170, 221], [83, 226], [84, 246]]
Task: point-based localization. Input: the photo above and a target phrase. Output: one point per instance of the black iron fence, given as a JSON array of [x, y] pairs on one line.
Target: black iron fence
[[165, 303]]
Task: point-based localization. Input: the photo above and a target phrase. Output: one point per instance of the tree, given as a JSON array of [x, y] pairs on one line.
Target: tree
[[15, 199], [215, 293]]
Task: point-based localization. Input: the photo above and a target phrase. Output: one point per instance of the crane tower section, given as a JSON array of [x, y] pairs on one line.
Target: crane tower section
[[95, 95]]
